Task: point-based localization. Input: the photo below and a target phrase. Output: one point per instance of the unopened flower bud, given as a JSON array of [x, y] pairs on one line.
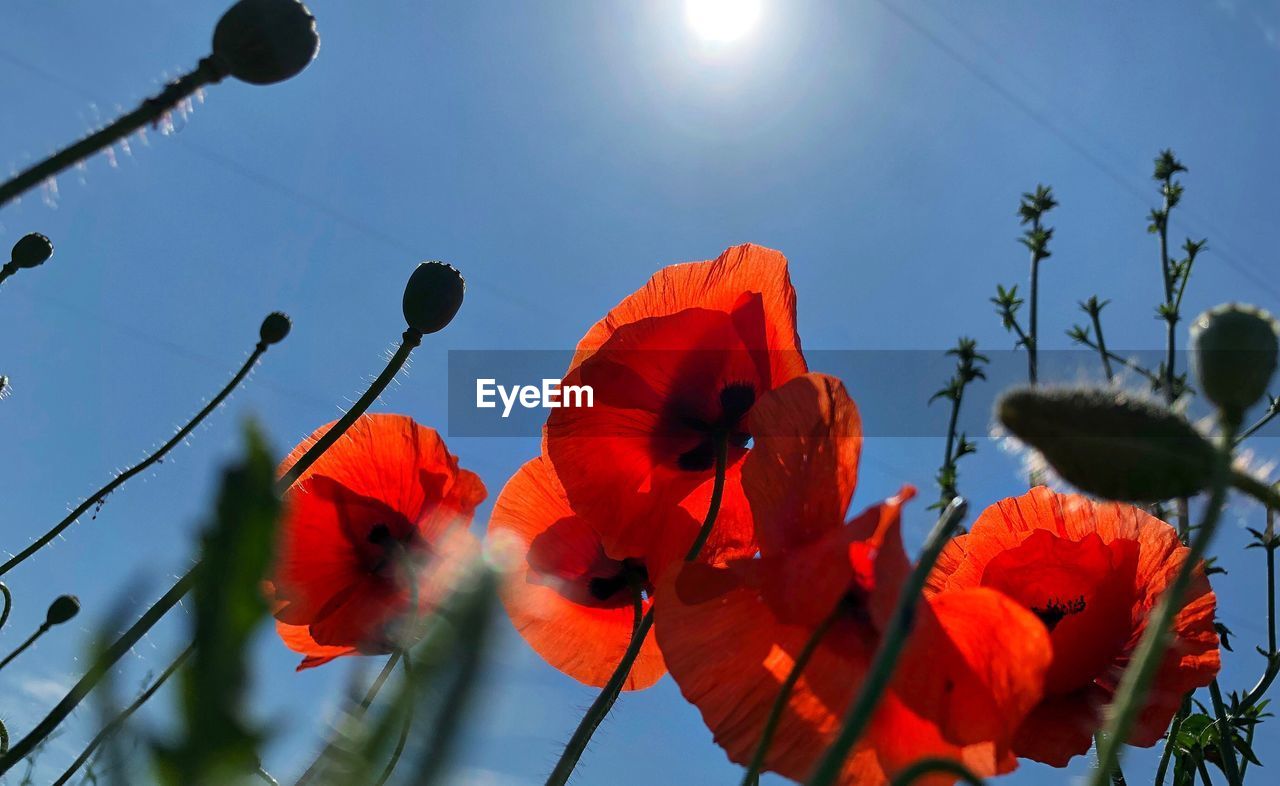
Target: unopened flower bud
[[433, 296], [1234, 350], [266, 41], [63, 609], [32, 250], [275, 328], [1111, 445]]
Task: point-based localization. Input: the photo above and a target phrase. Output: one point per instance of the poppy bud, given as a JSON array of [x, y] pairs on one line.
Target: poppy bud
[[1111, 445], [63, 609], [275, 328], [1234, 353], [32, 250], [433, 296], [266, 41]]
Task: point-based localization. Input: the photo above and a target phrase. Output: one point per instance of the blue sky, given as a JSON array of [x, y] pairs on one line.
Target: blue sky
[[558, 153]]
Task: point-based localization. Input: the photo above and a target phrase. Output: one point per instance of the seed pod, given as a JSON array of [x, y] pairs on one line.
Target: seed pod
[[433, 296], [32, 250], [1234, 350], [266, 41], [63, 609], [1111, 445], [275, 328]]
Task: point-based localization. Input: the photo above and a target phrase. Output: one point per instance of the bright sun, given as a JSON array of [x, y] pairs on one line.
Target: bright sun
[[722, 20]]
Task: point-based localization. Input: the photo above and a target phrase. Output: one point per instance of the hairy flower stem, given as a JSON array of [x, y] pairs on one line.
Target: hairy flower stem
[[752, 775], [1136, 681], [113, 653], [209, 71], [609, 694], [411, 339], [142, 466], [21, 648], [111, 728], [885, 660], [102, 663]]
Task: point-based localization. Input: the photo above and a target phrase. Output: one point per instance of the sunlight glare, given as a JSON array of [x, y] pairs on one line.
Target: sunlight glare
[[722, 20]]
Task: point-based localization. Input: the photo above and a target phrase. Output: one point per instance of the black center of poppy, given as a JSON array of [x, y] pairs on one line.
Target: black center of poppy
[[390, 550], [1056, 610], [736, 400], [630, 571]]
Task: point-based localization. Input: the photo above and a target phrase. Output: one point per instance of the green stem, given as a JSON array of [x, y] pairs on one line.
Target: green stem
[[404, 730], [8, 604], [886, 657], [102, 663], [118, 721], [117, 649], [411, 339], [363, 707], [208, 71], [142, 466], [930, 766], [1096, 316], [1128, 363], [1033, 370], [1204, 773], [784, 694], [1117, 776], [609, 694], [32, 639], [1272, 411], [1172, 739], [1226, 747], [1259, 690], [1136, 681]]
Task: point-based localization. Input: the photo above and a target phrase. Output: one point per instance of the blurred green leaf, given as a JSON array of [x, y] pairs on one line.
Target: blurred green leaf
[[218, 743]]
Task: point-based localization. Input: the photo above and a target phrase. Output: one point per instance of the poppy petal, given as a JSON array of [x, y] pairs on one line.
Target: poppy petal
[[802, 469], [554, 557]]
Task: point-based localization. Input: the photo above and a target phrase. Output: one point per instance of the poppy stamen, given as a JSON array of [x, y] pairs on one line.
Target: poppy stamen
[[1055, 611]]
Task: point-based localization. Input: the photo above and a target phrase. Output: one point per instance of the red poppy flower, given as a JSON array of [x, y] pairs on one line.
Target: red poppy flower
[[384, 501], [1092, 572], [972, 667], [569, 600], [674, 368]]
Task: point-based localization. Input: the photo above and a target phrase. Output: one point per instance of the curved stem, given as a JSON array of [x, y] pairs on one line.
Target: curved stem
[[1259, 690], [1033, 360], [410, 340], [363, 707], [784, 694], [609, 694], [101, 664], [119, 720], [8, 269], [117, 649], [124, 477], [8, 604], [404, 729], [32, 639], [930, 766], [1136, 681], [886, 658], [208, 72]]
